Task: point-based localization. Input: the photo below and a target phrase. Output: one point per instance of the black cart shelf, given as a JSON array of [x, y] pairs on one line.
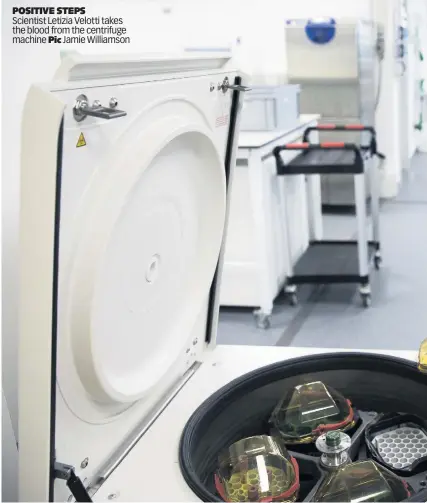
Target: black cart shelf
[[337, 261]]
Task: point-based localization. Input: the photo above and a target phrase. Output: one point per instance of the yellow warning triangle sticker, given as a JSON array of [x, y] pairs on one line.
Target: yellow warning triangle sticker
[[81, 142]]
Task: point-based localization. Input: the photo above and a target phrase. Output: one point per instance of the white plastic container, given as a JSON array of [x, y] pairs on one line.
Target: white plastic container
[[271, 108]]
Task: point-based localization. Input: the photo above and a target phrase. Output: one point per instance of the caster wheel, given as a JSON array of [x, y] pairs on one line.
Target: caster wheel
[[263, 321], [377, 262], [366, 301], [293, 299]]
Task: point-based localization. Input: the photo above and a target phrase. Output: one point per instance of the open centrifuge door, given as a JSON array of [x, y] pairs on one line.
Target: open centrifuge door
[[124, 208]]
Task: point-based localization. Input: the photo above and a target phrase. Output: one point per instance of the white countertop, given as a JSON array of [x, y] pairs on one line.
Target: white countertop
[[258, 139]]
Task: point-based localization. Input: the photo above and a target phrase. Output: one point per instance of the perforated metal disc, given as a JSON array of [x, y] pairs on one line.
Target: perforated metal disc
[[401, 447]]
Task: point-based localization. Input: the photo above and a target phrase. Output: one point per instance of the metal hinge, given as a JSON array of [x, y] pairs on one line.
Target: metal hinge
[[82, 109], [74, 483], [225, 85]]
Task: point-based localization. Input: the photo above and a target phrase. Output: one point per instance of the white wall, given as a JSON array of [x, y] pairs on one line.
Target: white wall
[[413, 65], [259, 25], [388, 118], [418, 21], [398, 96]]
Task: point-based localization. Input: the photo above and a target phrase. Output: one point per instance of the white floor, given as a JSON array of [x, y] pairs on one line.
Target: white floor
[[331, 316]]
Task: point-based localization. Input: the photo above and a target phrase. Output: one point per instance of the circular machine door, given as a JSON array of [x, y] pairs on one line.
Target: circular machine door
[[375, 387], [145, 249]]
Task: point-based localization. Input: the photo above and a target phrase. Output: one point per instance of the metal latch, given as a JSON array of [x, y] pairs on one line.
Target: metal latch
[[225, 85], [82, 109], [74, 483]]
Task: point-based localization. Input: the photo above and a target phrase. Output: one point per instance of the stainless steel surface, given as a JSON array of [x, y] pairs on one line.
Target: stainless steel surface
[[63, 471], [82, 109], [225, 85], [81, 101], [334, 447], [362, 231], [374, 180], [113, 102], [338, 80]]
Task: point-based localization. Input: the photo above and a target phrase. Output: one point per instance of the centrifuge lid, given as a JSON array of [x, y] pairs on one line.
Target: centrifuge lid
[[134, 244]]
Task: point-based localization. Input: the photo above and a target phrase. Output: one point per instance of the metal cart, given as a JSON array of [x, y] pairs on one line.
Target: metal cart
[[338, 261]]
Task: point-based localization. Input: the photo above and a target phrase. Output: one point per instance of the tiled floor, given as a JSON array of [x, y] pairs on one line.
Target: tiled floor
[[331, 316]]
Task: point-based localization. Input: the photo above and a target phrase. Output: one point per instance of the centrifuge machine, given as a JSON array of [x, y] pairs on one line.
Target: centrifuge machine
[[126, 171]]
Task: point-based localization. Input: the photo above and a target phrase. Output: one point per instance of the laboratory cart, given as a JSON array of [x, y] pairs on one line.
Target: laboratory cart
[[122, 249], [337, 261], [337, 63]]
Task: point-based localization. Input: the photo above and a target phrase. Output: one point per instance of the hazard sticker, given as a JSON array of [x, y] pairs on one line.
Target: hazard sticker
[[81, 142], [223, 111], [222, 121]]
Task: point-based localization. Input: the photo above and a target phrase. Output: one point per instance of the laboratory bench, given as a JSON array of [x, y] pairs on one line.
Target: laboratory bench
[[260, 247]]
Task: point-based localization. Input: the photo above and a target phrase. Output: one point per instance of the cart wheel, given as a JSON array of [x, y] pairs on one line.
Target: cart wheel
[[378, 261], [293, 299], [263, 321], [366, 300]]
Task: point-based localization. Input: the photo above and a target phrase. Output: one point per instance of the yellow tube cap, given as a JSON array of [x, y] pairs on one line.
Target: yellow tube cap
[[422, 357]]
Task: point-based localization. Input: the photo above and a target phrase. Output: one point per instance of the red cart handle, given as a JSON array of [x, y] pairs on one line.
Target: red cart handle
[[297, 146], [346, 127], [373, 148], [358, 163], [336, 127], [335, 145]]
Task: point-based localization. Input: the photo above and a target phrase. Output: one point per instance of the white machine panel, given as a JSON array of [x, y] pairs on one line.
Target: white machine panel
[[133, 211]]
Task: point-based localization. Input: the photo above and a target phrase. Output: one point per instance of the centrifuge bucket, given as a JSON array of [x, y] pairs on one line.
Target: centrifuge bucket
[[243, 409]]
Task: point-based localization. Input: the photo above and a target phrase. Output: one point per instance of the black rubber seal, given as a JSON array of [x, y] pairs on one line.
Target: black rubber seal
[[234, 113], [55, 287]]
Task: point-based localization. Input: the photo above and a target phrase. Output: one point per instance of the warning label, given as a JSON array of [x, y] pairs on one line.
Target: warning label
[[81, 142], [223, 112], [221, 121]]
